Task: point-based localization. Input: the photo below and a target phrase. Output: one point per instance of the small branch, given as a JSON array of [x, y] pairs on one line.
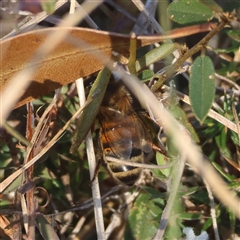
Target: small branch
[[228, 81], [177, 175], [29, 175], [213, 211], [72, 6], [148, 16], [92, 166], [212, 114], [173, 68], [6, 182], [10, 130], [141, 165], [25, 26]]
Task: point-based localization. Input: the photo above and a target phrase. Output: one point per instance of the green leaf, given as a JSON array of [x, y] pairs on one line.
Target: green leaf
[[189, 216], [227, 176], [146, 75], [189, 11], [207, 224], [200, 196], [155, 55], [45, 228], [202, 87], [161, 160], [234, 34], [91, 110], [14, 184], [234, 184], [181, 116], [141, 224], [212, 5], [49, 6], [155, 194]]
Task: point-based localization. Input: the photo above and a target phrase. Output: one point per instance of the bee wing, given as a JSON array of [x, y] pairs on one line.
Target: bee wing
[[116, 136], [144, 136]]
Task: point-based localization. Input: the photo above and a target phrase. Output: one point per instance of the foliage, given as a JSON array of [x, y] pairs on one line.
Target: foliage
[[54, 194]]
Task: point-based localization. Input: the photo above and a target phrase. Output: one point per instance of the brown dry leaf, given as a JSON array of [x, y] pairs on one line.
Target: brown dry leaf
[[69, 61], [235, 165], [3, 230]]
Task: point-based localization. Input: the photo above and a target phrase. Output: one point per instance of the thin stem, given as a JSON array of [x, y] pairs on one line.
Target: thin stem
[[173, 68], [92, 166], [177, 175], [213, 211], [212, 114]]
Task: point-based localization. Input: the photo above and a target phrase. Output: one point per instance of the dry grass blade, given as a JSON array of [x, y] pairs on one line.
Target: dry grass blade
[[149, 16], [34, 19], [214, 115], [142, 165], [40, 125], [234, 164], [4, 232], [228, 81], [213, 211], [30, 198], [50, 71], [92, 159], [37, 139], [92, 167], [177, 173], [24, 213], [185, 146], [180, 139], [8, 180], [65, 176], [237, 120], [142, 22]]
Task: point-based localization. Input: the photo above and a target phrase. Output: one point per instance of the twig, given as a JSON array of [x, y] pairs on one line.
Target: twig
[[87, 204], [142, 22], [77, 228], [92, 166], [29, 174], [197, 47], [228, 81], [142, 165], [152, 21], [183, 143], [177, 174], [35, 19], [213, 211], [115, 222], [5, 183], [72, 6], [214, 115], [149, 16], [90, 152], [169, 124], [87, 18]]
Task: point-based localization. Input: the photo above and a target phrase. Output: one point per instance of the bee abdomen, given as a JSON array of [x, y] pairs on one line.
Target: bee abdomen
[[128, 177], [126, 174]]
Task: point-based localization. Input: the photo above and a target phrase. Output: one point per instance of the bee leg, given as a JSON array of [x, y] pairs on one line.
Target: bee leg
[[99, 155], [160, 146], [99, 164]]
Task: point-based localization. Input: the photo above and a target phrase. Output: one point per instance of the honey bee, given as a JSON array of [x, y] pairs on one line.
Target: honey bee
[[124, 134]]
